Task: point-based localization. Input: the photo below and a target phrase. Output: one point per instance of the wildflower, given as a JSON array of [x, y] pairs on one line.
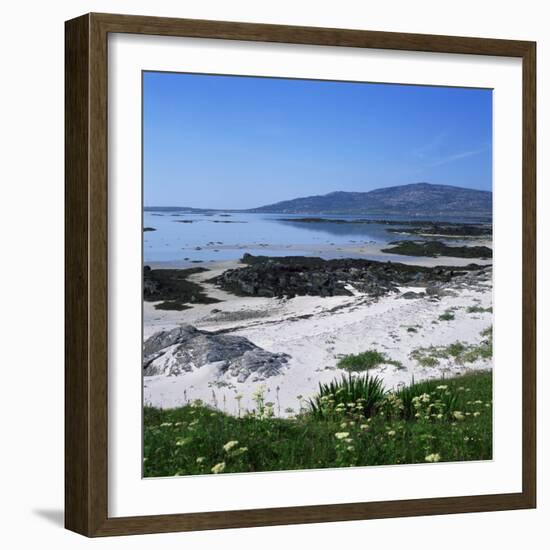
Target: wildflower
[[166, 424], [348, 440], [341, 435], [218, 468], [434, 457], [343, 424], [258, 395], [477, 413], [351, 448], [229, 445], [391, 433], [442, 387], [458, 415], [364, 426], [439, 416], [200, 459]]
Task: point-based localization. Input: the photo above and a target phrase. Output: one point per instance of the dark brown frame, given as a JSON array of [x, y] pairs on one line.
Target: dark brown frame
[[86, 274]]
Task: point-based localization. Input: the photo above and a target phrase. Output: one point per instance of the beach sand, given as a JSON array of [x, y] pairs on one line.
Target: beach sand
[[316, 332]]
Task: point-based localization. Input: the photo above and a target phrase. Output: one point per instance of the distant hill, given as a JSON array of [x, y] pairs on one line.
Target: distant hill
[[423, 199]]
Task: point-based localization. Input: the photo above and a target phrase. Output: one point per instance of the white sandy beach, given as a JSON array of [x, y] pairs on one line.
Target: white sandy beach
[[315, 332]]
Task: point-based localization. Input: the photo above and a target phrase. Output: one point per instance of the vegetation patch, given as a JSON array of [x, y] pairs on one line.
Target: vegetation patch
[[351, 422], [479, 309], [447, 316], [366, 360], [460, 352]]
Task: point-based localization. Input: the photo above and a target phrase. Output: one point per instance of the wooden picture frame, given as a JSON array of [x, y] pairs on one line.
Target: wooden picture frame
[[86, 414]]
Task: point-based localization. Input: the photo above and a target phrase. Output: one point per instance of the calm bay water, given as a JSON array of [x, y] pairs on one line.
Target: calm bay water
[[187, 238]]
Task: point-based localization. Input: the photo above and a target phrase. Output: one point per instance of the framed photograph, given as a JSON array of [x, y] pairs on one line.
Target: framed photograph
[[300, 275]]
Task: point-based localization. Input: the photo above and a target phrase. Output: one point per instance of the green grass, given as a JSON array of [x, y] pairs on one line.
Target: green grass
[[479, 309], [362, 394], [460, 352], [402, 427], [366, 360], [447, 316]]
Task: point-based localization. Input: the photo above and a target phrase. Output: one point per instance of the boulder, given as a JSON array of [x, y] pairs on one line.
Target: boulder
[[186, 348]]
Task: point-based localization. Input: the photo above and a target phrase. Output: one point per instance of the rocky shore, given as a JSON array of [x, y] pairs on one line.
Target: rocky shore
[[172, 289], [434, 249], [291, 276]]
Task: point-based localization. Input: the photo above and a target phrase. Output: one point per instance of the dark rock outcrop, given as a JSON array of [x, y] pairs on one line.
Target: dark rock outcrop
[[171, 287], [437, 248], [291, 276], [445, 229]]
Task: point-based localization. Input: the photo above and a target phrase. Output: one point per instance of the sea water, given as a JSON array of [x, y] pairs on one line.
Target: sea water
[[194, 238]]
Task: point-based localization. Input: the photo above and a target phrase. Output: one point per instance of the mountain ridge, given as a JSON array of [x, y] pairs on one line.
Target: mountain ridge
[[414, 198], [418, 199]]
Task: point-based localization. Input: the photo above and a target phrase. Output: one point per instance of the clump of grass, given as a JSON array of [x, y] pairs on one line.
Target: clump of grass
[[447, 316], [423, 360], [479, 309], [350, 393], [412, 329], [366, 360], [434, 393]]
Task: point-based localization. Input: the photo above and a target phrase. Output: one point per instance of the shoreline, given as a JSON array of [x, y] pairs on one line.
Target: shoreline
[[366, 251], [315, 332]]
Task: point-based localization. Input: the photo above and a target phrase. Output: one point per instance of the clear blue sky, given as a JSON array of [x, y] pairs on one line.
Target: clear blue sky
[[239, 142]]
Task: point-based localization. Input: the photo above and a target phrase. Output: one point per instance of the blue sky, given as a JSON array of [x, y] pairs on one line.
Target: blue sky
[[239, 142]]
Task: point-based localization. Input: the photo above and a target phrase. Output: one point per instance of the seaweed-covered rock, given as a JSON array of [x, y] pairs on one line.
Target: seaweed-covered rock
[[291, 276], [173, 289], [437, 248]]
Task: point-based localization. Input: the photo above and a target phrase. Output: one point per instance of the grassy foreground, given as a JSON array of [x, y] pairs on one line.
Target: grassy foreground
[[445, 420]]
